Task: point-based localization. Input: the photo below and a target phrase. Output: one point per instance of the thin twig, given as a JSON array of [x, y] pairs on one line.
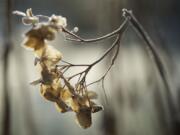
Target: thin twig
[[152, 51], [80, 39], [110, 66], [97, 61]]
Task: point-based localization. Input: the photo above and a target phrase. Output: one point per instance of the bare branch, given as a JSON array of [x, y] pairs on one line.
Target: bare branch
[[77, 38]]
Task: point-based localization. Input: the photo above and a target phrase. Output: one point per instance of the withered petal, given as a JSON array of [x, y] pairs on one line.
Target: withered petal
[[83, 118], [61, 106]]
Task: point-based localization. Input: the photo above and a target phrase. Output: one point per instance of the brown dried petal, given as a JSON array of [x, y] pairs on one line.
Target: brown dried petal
[[43, 31], [33, 43], [47, 76], [65, 94], [83, 117], [61, 106], [48, 93]]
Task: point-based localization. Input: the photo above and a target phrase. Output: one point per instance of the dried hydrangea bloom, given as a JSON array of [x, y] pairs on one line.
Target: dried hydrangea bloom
[[65, 98]]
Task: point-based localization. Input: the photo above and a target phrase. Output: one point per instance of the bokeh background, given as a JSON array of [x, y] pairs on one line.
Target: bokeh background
[[137, 101]]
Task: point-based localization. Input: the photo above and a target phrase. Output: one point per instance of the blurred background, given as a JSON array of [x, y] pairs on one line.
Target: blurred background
[[137, 101]]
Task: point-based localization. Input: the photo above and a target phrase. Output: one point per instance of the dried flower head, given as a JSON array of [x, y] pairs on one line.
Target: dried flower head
[[66, 97]]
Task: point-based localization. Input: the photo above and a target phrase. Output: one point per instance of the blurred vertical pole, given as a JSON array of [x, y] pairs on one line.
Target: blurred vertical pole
[[7, 45], [108, 20]]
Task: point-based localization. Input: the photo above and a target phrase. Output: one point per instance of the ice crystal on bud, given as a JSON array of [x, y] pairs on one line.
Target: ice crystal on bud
[[76, 29]]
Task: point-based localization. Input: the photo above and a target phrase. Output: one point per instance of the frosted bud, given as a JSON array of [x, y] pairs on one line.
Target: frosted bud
[[76, 29]]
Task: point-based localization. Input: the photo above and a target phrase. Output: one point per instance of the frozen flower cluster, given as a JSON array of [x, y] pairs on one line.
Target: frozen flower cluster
[[54, 86]]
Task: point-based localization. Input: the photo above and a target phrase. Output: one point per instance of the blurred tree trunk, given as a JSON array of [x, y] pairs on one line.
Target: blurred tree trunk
[[108, 20], [6, 125]]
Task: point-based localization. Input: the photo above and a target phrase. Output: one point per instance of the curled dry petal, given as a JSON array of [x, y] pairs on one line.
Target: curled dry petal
[[16, 12], [29, 12], [30, 20]]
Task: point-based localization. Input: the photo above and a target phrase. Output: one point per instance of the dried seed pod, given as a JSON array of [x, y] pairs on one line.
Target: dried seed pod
[[83, 117]]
